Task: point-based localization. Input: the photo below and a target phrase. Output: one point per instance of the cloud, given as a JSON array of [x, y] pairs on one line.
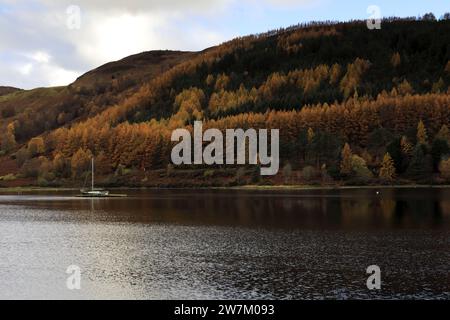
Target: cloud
[[52, 42], [25, 69], [134, 6], [44, 45], [40, 57]]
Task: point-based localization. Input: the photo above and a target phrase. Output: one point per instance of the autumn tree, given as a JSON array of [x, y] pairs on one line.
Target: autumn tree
[[36, 146], [352, 78], [444, 134], [80, 162], [422, 136], [395, 151], [60, 165], [209, 80], [310, 135], [189, 104], [387, 171], [222, 82], [9, 139], [335, 73], [103, 163], [438, 86], [405, 88]]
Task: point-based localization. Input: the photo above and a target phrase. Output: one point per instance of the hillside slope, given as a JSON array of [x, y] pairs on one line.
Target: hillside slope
[[39, 110], [7, 90], [353, 106]]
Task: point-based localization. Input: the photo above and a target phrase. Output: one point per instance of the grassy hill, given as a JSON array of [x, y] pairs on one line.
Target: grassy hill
[[40, 110], [7, 90], [326, 86]]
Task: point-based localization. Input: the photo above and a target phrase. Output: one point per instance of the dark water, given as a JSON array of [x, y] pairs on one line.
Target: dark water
[[227, 244]]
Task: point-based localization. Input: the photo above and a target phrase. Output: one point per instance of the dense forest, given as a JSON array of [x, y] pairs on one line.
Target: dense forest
[[353, 106]]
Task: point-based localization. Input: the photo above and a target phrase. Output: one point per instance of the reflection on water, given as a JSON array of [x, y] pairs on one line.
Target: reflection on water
[[178, 244]]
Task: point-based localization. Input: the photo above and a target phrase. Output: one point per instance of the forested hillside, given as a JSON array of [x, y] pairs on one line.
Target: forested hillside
[[354, 106]]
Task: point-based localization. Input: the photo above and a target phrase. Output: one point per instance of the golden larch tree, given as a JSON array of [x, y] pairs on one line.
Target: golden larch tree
[[422, 136], [387, 171], [310, 135], [444, 134]]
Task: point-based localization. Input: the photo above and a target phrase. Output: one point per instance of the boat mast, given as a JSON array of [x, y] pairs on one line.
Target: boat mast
[[92, 184]]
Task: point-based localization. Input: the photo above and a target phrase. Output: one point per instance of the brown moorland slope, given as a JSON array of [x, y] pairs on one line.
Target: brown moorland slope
[[39, 110]]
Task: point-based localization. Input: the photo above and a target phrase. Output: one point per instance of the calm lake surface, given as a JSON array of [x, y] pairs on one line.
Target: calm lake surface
[[233, 244]]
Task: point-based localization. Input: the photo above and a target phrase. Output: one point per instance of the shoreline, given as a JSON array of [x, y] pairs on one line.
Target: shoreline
[[243, 188]]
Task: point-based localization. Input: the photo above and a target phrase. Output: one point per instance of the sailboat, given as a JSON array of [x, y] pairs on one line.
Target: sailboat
[[94, 192]]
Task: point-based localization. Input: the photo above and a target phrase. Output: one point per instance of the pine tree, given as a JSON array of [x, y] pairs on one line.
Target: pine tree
[[405, 88], [438, 86], [444, 134], [406, 146], [387, 171], [422, 136], [420, 167], [310, 135]]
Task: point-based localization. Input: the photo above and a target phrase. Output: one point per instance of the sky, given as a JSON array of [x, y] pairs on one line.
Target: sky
[[52, 42]]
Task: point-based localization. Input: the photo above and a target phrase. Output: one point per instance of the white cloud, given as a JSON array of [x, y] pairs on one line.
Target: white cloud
[[108, 38], [41, 57], [37, 48], [25, 69], [34, 35], [58, 76]]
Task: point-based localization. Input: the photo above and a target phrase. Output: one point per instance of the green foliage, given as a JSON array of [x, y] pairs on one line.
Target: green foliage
[[380, 138], [323, 148], [360, 172], [309, 173], [8, 177], [420, 168]]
